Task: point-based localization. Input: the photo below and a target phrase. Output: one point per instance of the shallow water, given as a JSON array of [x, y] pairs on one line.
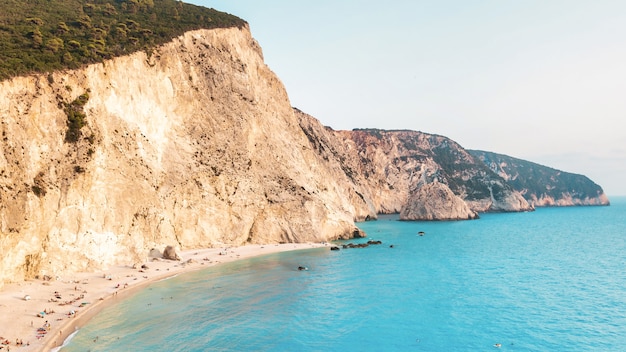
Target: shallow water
[[553, 279]]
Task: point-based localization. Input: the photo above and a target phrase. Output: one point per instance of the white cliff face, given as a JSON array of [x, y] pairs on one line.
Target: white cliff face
[[195, 145], [567, 199], [507, 201]]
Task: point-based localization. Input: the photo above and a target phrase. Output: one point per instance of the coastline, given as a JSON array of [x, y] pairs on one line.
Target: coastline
[[86, 294]]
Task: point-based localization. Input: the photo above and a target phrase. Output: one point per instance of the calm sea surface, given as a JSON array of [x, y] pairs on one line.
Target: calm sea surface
[[550, 280]]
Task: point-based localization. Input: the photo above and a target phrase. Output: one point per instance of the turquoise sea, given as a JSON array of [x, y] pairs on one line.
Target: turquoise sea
[[549, 280]]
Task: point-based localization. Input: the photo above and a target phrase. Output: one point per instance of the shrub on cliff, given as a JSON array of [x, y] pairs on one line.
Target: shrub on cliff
[[75, 117]]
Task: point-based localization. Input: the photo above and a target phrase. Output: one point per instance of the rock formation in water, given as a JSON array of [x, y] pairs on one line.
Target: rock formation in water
[[542, 185], [196, 145], [435, 201]]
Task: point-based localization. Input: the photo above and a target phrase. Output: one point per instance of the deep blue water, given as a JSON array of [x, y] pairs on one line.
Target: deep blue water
[[550, 280]]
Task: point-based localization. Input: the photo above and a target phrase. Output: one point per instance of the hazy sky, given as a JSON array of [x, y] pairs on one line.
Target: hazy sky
[[539, 80]]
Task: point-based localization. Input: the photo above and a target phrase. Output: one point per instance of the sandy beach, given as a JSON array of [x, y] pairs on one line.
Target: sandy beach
[[38, 315]]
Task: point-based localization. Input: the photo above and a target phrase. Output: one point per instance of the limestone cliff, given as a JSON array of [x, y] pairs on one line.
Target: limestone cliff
[[401, 172], [193, 145], [544, 186]]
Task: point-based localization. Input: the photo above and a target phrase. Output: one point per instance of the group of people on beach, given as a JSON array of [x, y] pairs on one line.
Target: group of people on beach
[[57, 297], [44, 312], [6, 343], [42, 331]]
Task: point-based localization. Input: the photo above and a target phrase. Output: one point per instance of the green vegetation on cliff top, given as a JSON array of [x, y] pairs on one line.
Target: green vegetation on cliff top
[[45, 35]]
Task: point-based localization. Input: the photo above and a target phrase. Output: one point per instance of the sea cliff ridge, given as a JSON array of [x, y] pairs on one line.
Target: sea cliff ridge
[[542, 185], [195, 144]]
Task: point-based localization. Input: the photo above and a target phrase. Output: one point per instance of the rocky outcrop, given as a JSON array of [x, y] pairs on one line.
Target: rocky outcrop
[[541, 185], [435, 201], [169, 253]]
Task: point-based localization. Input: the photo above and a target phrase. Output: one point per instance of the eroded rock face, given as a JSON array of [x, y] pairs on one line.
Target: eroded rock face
[[399, 163], [567, 199], [388, 169]]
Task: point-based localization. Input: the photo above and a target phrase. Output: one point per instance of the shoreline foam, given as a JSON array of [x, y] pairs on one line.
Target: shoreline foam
[[99, 290]]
